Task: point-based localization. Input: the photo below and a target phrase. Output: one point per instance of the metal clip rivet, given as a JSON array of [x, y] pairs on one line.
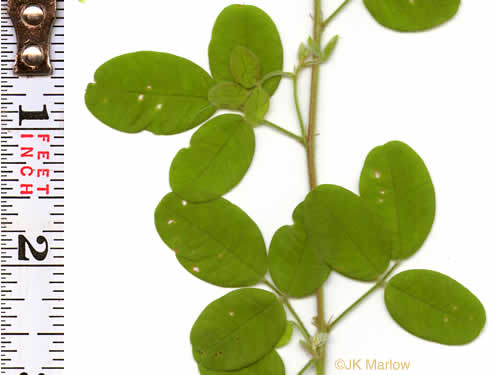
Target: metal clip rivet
[[33, 15], [33, 21], [32, 56]]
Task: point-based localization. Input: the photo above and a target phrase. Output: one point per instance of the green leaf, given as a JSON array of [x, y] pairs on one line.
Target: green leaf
[[215, 241], [245, 67], [434, 307], [330, 47], [397, 184], [314, 47], [303, 53], [412, 15], [250, 27], [257, 106], [238, 329], [271, 364], [219, 155], [286, 337], [159, 92], [346, 232], [228, 95], [295, 267]]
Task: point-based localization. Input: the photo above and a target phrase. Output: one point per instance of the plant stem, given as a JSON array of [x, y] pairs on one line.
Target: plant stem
[[300, 324], [284, 131], [310, 137], [377, 285], [336, 12], [307, 366], [312, 173]]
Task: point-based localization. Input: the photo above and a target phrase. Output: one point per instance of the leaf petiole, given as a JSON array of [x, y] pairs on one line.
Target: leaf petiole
[[298, 108], [336, 12], [307, 366], [286, 132], [285, 300], [377, 285], [300, 329], [276, 74]]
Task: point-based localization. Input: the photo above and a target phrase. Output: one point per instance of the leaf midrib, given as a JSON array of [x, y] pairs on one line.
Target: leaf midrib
[[226, 248], [396, 208], [343, 230], [403, 291], [243, 324], [115, 91], [216, 154]]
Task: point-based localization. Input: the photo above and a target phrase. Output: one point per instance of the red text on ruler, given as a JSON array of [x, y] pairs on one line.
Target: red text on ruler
[[31, 151]]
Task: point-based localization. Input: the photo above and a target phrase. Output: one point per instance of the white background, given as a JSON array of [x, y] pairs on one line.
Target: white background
[[131, 305]]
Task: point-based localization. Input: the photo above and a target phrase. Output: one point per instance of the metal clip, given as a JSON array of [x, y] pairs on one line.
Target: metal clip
[[33, 20]]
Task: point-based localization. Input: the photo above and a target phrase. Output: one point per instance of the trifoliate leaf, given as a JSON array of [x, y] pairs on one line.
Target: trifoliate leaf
[[397, 184], [295, 267], [153, 91], [271, 364], [228, 95], [219, 155], [412, 15], [238, 329], [250, 27], [215, 241], [434, 307], [257, 106], [346, 232], [245, 67]]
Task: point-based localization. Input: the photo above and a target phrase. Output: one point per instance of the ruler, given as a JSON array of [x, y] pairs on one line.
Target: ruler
[[32, 204]]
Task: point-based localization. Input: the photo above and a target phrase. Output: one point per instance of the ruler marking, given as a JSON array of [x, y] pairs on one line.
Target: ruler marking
[[43, 353]]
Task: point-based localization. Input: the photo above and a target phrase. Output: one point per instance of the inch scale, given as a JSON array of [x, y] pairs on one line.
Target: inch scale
[[32, 187]]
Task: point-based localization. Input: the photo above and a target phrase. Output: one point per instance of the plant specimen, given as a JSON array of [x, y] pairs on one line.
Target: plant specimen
[[364, 237]]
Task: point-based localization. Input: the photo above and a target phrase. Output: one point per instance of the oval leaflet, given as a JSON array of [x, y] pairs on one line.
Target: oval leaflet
[[271, 364], [249, 27], [396, 183], [295, 267], [348, 235], [286, 337], [412, 15], [215, 241], [245, 67], [257, 106], [159, 92], [219, 156], [238, 329], [434, 307], [228, 95]]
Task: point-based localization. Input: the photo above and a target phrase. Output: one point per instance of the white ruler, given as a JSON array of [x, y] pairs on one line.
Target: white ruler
[[32, 209]]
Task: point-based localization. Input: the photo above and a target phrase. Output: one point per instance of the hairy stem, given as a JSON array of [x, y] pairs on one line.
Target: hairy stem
[[377, 285], [312, 172], [284, 131], [293, 312], [336, 12]]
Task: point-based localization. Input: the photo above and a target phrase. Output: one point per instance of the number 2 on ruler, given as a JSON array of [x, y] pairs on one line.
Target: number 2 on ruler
[[38, 255]]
